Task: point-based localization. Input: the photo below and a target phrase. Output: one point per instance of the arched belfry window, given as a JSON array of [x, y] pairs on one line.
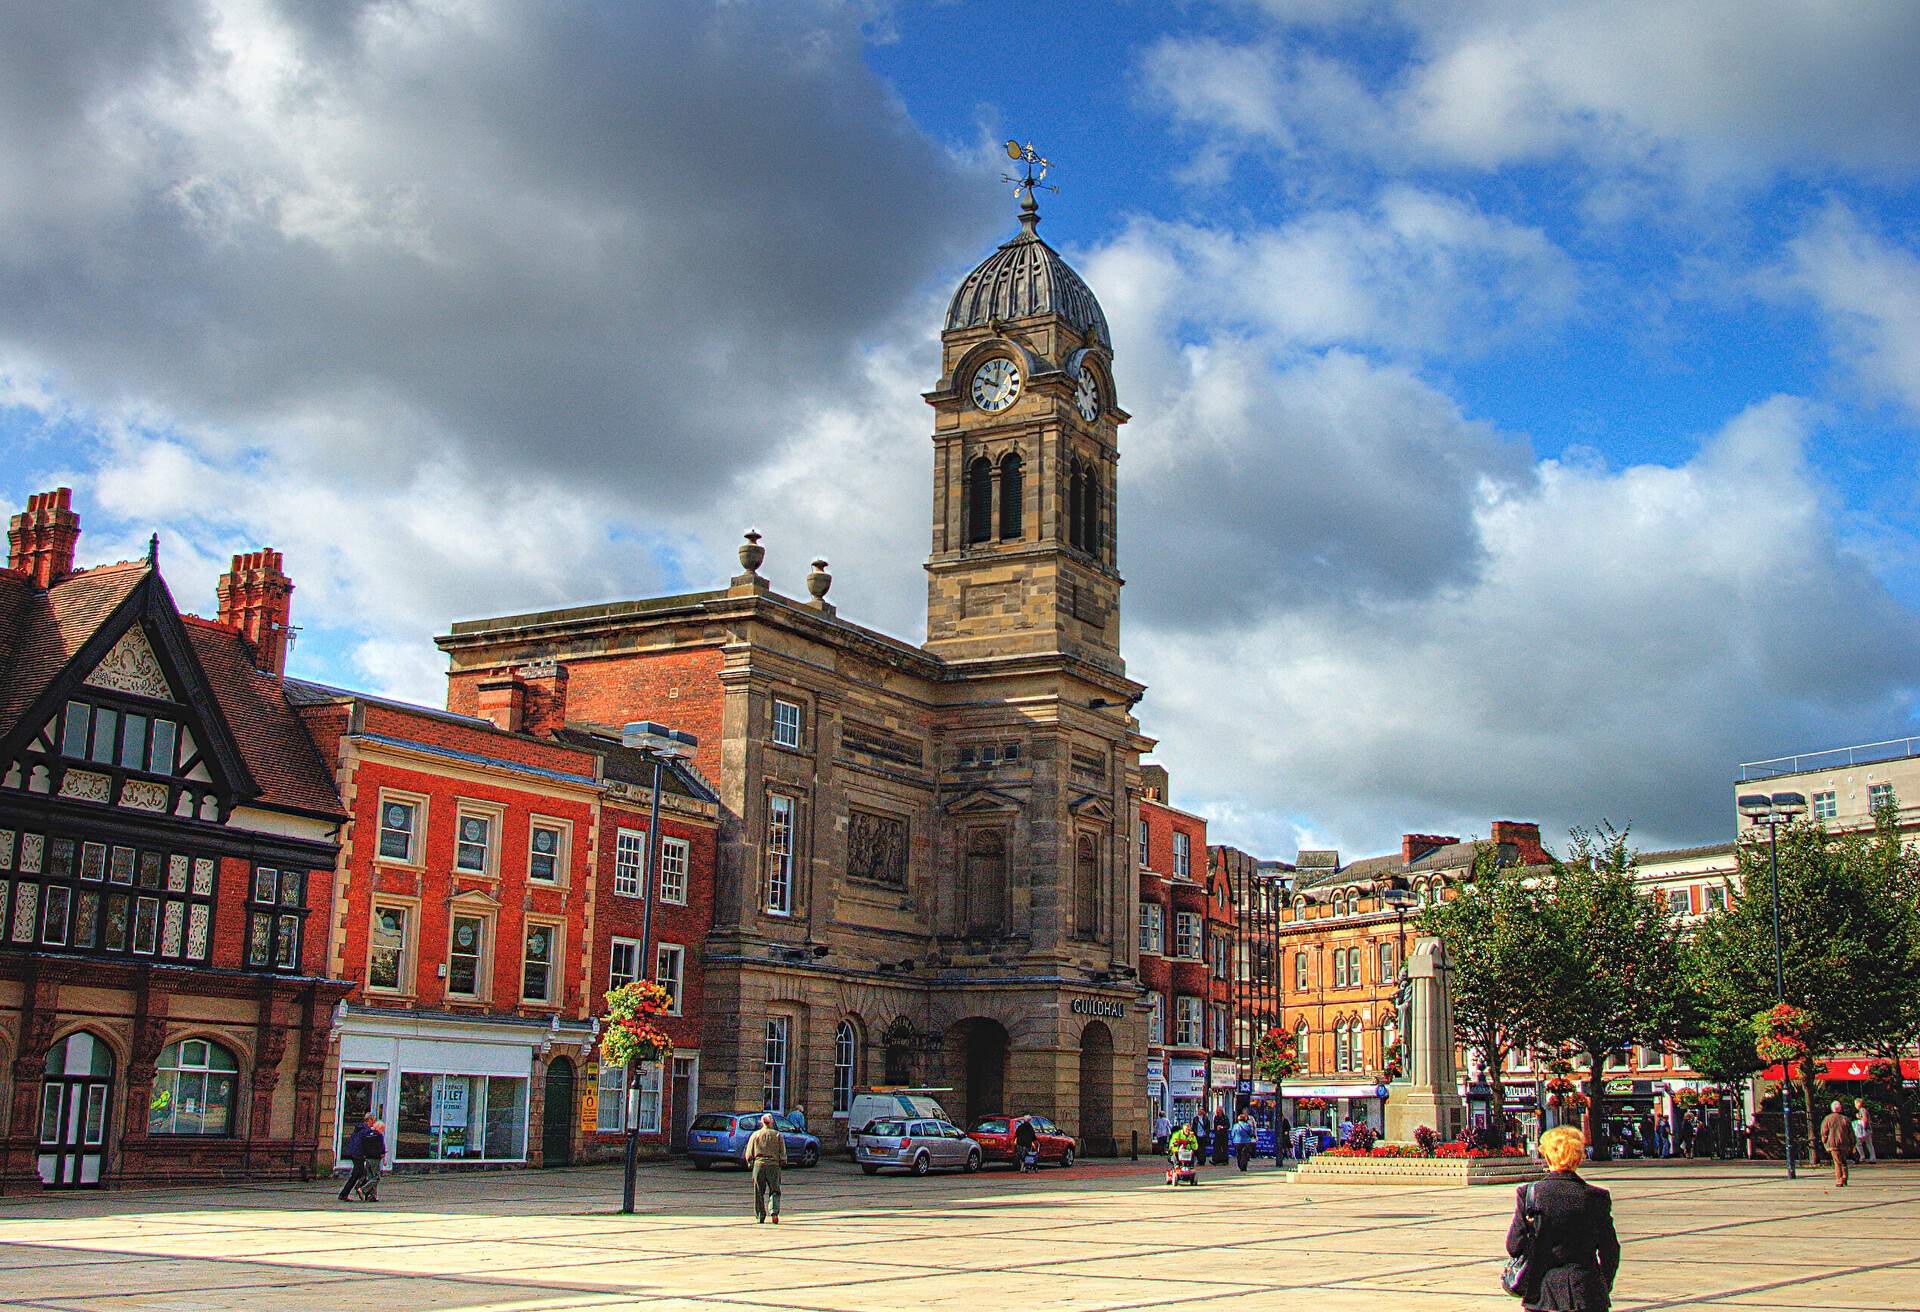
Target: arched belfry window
[[1086, 889], [1076, 499], [980, 500], [1012, 489], [1090, 507]]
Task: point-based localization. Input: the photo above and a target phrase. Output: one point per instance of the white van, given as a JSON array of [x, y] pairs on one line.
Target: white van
[[869, 1105]]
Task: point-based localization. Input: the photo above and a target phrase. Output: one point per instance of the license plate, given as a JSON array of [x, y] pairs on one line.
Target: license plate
[[706, 1138]]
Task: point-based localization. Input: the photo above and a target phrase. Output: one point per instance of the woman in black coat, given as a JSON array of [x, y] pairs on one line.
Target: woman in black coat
[[1575, 1253]]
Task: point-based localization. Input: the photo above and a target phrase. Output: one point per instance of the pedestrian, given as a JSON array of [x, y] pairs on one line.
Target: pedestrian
[[1162, 1131], [1283, 1134], [799, 1115], [1689, 1132], [366, 1149], [1220, 1136], [1662, 1135], [1568, 1232], [1024, 1143], [766, 1154], [1863, 1133], [1836, 1136], [1243, 1141], [1345, 1132], [1202, 1137]]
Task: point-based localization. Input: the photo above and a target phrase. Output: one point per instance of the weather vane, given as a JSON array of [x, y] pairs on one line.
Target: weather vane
[[1033, 160]]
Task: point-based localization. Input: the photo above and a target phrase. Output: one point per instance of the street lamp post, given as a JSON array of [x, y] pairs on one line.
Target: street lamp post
[[662, 745], [1774, 810]]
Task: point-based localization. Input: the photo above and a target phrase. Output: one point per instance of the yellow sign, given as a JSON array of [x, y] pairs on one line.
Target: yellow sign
[[589, 1107]]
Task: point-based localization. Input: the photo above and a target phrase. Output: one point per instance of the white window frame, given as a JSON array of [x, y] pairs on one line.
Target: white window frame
[[483, 962], [1144, 835], [629, 872], [1716, 897], [1182, 855], [1879, 794], [1189, 1022], [676, 858], [611, 1116], [788, 731], [1339, 970], [652, 1082], [1187, 936], [556, 955], [846, 1058], [405, 973], [615, 948], [1153, 928], [563, 845], [490, 855], [1302, 973], [1826, 805], [776, 1061], [1157, 1019], [677, 954], [1302, 1044], [783, 822], [415, 837]]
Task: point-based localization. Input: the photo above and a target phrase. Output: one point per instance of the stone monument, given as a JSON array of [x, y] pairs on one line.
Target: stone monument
[[1428, 1090]]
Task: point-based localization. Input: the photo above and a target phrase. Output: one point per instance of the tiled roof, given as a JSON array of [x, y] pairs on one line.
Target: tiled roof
[[1454, 856], [53, 625], [630, 765], [275, 745]]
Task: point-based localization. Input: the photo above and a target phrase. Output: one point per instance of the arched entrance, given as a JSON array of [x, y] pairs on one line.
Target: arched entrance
[[979, 1049], [556, 1120], [76, 1102], [1096, 1090], [898, 1044]]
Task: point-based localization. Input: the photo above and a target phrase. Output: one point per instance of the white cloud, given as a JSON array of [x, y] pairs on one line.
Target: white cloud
[[1867, 289]]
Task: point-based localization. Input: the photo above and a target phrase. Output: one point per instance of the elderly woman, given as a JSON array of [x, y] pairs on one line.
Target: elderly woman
[[1575, 1252]]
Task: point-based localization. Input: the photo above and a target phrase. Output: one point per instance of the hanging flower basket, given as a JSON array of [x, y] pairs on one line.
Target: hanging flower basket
[[1274, 1057], [1782, 1034], [629, 1033], [1687, 1098], [1310, 1104]]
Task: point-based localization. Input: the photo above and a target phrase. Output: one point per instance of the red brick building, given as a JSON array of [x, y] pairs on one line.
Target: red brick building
[[166, 842], [1186, 929], [486, 900]]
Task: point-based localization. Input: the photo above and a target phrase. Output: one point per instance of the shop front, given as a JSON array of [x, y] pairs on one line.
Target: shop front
[[1327, 1105], [1157, 1104], [454, 1091], [1186, 1087]]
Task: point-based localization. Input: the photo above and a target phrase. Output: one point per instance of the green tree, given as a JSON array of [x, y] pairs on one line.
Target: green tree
[[1493, 931], [1850, 946], [1610, 961]]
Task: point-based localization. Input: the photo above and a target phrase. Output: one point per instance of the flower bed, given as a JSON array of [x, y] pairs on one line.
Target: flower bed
[[1452, 1152], [1408, 1164]]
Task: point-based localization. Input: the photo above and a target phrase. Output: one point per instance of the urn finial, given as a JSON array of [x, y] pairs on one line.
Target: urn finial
[[752, 553]]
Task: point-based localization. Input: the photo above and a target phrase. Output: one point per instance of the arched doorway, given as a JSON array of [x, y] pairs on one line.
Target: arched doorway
[[979, 1047], [76, 1102], [556, 1120], [1096, 1090]]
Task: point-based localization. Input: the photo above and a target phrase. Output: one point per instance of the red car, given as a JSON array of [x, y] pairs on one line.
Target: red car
[[995, 1137]]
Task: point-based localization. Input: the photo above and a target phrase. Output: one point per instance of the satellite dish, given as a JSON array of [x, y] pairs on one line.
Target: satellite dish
[[1013, 150]]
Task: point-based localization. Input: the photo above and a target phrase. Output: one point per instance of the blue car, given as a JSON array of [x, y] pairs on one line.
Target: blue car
[[722, 1137]]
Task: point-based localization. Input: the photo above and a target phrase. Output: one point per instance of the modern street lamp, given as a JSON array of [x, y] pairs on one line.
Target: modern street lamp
[[1774, 810], [662, 745], [1401, 899]]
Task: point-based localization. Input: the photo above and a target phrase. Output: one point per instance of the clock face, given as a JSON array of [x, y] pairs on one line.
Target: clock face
[[1086, 394], [995, 384]]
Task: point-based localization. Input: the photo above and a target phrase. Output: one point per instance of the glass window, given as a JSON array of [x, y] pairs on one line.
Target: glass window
[[1186, 934], [160, 758], [845, 1053], [105, 722], [398, 823], [673, 870], [536, 971], [1879, 795], [1182, 855], [386, 957], [133, 742], [543, 856], [464, 955], [461, 1118], [647, 1121], [623, 963], [1144, 831], [1342, 1048], [1716, 897], [1339, 968], [1386, 960], [193, 1089], [1151, 928], [1300, 1037], [73, 733], [629, 862], [669, 963], [773, 1085], [780, 824], [1825, 806], [612, 1115], [786, 722], [1187, 1022], [1299, 970], [1156, 1019], [473, 848]]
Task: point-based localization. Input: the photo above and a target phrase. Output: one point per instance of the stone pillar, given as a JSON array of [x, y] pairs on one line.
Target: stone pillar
[[1428, 1093], [39, 1013]]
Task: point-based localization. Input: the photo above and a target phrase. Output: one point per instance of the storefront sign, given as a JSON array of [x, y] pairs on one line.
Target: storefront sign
[[1157, 1069], [1187, 1078], [1620, 1086], [1226, 1074], [1099, 1007]]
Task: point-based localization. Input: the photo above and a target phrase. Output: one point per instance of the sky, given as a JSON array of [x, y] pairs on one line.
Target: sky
[[1524, 396]]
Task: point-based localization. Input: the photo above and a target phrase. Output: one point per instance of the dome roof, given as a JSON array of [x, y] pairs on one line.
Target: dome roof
[[1026, 277]]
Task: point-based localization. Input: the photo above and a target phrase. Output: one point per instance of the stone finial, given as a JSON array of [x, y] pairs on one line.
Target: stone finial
[[750, 583], [752, 553], [817, 584]]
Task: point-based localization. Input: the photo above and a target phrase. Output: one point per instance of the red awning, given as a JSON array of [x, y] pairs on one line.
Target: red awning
[[1847, 1068]]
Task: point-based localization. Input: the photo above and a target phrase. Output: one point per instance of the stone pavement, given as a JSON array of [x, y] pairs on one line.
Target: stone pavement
[[1722, 1236]]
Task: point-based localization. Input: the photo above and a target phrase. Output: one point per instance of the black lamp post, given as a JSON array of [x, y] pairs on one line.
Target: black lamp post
[[662, 745], [1774, 810]]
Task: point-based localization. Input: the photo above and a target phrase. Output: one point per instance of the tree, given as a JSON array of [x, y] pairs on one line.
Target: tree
[[1492, 930], [1850, 945], [1610, 961]]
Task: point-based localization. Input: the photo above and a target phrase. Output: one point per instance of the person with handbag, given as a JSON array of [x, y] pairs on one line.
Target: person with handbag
[[1565, 1251]]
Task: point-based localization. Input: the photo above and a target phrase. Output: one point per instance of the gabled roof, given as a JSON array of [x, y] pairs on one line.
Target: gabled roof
[[52, 627], [275, 745]]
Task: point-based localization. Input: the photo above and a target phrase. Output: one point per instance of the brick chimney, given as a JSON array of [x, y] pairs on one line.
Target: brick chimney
[[503, 700], [1525, 837], [1153, 782], [256, 597], [40, 540], [546, 696], [1415, 846]]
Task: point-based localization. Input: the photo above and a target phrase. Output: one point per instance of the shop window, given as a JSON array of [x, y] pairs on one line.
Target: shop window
[[674, 853], [193, 1089], [461, 1118], [546, 851]]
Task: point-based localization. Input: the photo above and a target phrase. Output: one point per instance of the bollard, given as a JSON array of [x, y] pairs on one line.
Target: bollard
[[1135, 1151]]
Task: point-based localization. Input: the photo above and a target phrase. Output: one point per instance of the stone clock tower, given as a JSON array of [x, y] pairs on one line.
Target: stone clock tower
[[1023, 469]]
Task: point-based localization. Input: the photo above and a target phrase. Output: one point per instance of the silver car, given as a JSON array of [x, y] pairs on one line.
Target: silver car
[[917, 1146]]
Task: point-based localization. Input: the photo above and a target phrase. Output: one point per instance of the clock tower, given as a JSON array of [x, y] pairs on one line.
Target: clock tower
[[1024, 523]]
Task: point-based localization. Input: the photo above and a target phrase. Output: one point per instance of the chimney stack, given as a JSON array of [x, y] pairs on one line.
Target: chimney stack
[[1154, 783], [546, 696], [503, 700], [256, 597], [1415, 846], [1525, 837], [40, 540]]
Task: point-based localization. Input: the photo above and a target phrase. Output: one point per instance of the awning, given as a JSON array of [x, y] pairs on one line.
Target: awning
[[1848, 1068]]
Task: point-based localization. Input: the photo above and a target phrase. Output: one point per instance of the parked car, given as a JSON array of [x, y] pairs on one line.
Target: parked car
[[869, 1105], [915, 1145], [722, 1137], [995, 1135]]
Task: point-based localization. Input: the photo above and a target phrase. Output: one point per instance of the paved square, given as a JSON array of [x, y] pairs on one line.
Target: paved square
[[1096, 1237]]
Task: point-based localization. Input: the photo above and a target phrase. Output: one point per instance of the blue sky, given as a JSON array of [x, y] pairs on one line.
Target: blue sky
[[1524, 396]]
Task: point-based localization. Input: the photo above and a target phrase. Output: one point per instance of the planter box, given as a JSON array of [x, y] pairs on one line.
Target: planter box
[[1427, 1171]]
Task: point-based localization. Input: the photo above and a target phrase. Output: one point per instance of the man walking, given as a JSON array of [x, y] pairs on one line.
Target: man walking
[[1836, 1136], [766, 1154], [1242, 1141], [366, 1149]]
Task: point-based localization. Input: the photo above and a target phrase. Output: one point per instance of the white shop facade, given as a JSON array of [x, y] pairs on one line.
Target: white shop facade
[[456, 1090]]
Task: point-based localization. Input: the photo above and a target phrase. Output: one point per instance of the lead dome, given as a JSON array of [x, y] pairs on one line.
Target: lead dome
[[1024, 278]]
